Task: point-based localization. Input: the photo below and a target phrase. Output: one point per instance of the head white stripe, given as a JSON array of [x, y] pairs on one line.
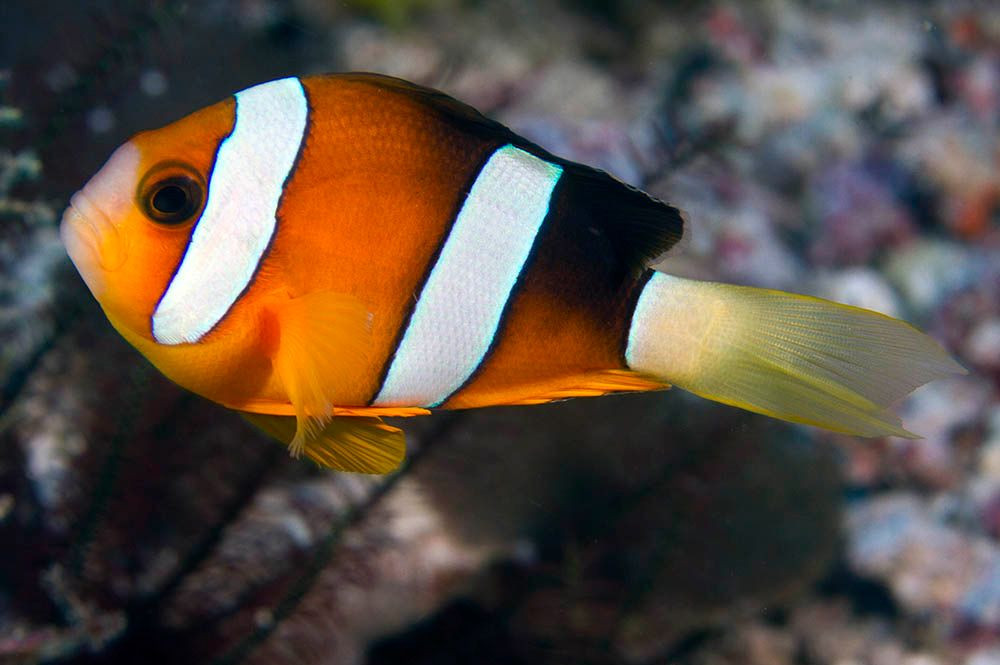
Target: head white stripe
[[460, 306], [244, 191]]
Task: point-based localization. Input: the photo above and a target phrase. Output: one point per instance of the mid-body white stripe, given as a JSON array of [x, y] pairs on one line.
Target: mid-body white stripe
[[459, 308], [239, 219]]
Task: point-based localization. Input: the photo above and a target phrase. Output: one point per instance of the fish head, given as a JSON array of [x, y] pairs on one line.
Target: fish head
[[128, 228]]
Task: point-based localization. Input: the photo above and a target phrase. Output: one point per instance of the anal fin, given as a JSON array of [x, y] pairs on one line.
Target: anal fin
[[590, 384], [381, 411]]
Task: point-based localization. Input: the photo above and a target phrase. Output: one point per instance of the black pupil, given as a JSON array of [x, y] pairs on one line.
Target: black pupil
[[170, 199]]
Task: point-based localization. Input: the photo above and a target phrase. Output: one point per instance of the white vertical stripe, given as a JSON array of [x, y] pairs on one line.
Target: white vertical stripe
[[244, 191], [645, 333], [693, 334], [460, 306]]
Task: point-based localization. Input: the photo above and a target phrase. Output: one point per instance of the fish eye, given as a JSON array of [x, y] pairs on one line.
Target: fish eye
[[171, 194]]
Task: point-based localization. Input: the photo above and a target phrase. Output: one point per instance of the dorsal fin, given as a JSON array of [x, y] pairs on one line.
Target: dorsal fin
[[638, 227], [447, 107]]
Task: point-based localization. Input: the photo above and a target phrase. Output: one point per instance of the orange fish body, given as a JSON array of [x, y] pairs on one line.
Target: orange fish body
[[320, 252]]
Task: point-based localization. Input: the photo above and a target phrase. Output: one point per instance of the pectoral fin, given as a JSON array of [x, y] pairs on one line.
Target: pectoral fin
[[344, 443], [319, 340]]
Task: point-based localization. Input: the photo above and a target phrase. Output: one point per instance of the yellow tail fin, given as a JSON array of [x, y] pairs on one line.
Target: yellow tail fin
[[793, 357]]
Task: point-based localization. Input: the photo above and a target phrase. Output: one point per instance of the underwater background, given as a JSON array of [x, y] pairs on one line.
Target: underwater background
[[844, 149]]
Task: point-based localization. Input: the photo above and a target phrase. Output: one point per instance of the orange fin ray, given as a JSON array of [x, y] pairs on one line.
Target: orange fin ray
[[344, 443], [596, 384], [381, 411], [322, 337], [590, 384]]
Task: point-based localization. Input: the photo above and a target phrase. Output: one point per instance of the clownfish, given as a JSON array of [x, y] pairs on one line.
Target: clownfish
[[318, 253]]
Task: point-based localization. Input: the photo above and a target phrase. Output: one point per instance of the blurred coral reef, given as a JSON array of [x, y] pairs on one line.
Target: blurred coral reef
[[845, 149]]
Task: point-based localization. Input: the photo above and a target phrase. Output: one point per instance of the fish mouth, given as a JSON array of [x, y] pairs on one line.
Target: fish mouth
[[92, 240]]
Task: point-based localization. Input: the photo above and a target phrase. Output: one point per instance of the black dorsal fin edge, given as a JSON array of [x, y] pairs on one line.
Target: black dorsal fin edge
[[640, 227]]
